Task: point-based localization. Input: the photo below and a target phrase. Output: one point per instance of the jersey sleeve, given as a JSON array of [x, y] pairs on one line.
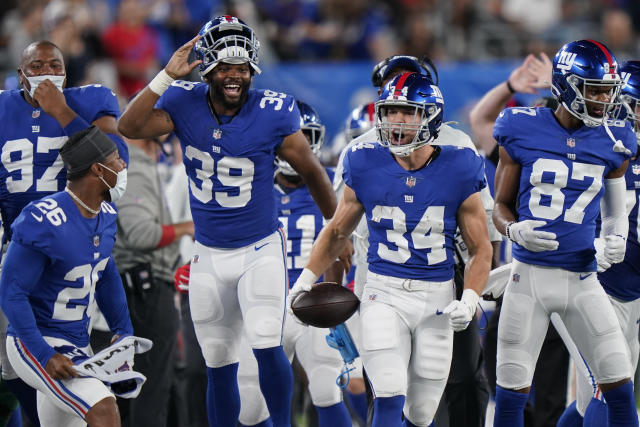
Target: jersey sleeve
[[21, 272], [32, 229], [347, 175], [112, 300], [474, 181], [502, 132], [289, 120], [95, 101]]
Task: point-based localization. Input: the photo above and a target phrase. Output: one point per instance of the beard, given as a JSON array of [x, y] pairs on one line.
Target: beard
[[217, 93]]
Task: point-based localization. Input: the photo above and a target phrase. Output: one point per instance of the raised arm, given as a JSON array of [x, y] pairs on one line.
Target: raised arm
[[534, 73], [139, 119]]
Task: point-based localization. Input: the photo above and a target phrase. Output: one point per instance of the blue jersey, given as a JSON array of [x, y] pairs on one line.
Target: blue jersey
[[230, 165], [302, 221], [58, 261], [411, 215], [623, 280], [30, 166], [561, 180]]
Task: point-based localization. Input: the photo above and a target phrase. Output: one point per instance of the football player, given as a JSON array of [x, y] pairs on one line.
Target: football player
[[550, 178], [467, 378], [302, 222], [230, 135], [404, 184], [37, 120], [620, 281], [65, 241]]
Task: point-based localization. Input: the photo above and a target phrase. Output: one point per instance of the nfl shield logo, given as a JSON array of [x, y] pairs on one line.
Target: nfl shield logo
[[96, 241], [571, 142], [516, 277], [411, 181], [35, 114], [635, 169], [285, 200], [217, 134]]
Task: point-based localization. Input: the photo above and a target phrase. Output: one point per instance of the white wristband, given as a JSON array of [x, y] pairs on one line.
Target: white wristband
[[471, 298], [160, 83], [307, 277]]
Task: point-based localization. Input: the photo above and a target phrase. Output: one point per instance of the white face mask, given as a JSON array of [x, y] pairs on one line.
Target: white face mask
[[117, 191], [36, 80]]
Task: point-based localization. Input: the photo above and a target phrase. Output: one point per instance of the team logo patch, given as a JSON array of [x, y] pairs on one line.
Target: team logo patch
[[635, 169], [411, 181], [372, 297], [516, 277], [571, 142], [35, 114], [285, 200], [96, 241], [217, 134]]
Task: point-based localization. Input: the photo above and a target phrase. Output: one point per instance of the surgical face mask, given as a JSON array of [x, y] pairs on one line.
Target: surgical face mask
[[117, 191], [36, 80]]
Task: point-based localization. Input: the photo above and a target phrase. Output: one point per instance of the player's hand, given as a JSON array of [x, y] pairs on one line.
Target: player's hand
[[181, 278], [614, 248], [179, 66], [303, 284], [461, 312], [525, 234], [534, 73], [60, 367], [601, 259], [50, 99]]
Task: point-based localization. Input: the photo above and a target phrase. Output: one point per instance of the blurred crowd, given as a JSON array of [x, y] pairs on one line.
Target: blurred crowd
[[123, 43]]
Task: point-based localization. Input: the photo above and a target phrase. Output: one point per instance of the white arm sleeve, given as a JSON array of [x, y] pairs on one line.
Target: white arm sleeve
[[613, 208]]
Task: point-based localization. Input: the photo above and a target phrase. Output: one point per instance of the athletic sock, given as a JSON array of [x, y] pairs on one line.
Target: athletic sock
[[359, 405], [622, 406], [387, 411], [276, 382], [596, 414], [333, 416], [509, 408], [223, 397], [570, 417]]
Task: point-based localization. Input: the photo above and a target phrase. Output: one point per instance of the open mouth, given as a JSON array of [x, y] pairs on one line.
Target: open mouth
[[232, 90]]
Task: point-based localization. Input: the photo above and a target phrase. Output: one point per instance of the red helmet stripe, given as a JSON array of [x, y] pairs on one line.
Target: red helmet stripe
[[400, 84], [606, 53], [371, 110]]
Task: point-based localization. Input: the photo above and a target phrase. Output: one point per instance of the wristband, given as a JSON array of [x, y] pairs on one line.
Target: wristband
[[160, 83], [307, 277], [511, 89], [75, 125], [507, 230]]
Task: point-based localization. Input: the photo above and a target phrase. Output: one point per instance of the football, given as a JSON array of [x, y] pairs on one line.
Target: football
[[326, 305]]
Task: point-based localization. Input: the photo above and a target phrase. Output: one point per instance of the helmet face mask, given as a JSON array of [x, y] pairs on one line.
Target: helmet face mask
[[629, 108], [313, 130], [582, 71], [408, 114], [226, 39]]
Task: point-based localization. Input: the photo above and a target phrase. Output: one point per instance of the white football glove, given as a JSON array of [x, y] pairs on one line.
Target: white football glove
[[614, 248], [601, 259], [525, 234], [304, 283], [461, 312]]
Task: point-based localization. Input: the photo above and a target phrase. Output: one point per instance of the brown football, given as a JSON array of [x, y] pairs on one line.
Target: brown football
[[326, 305]]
